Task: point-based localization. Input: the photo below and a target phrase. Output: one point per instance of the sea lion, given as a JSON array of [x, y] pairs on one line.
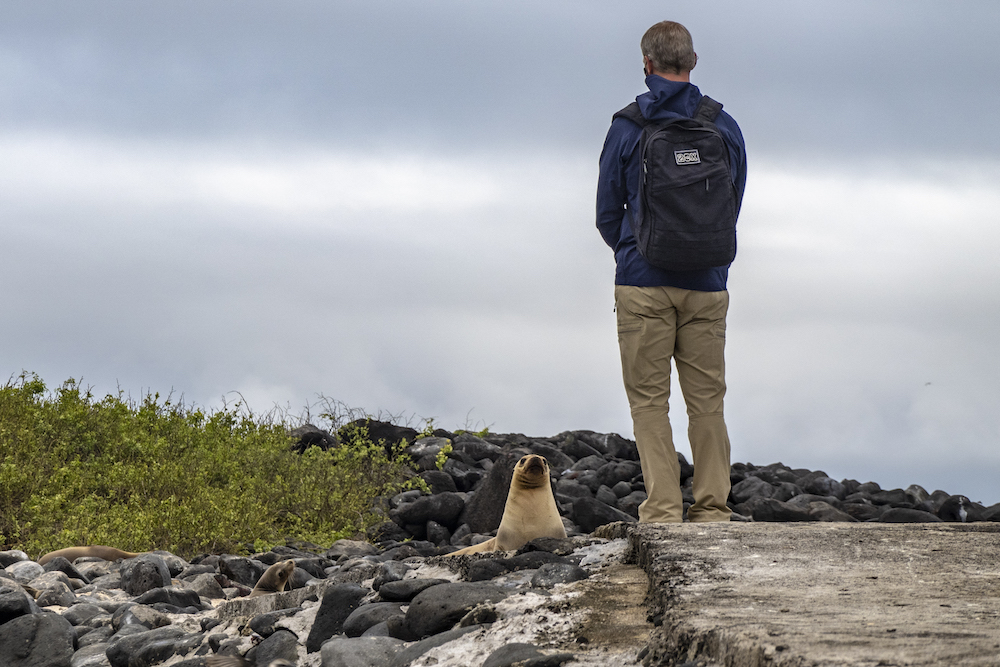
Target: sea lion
[[530, 511], [274, 579], [95, 551]]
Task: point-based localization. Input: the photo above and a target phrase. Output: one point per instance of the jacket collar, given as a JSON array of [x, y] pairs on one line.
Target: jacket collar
[[667, 99]]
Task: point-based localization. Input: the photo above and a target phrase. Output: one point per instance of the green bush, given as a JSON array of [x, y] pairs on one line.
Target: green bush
[[157, 475]]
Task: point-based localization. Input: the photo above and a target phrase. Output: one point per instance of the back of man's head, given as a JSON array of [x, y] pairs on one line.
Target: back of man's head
[[669, 48]]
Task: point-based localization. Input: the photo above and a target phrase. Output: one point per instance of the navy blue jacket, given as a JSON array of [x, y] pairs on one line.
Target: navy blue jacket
[[618, 183]]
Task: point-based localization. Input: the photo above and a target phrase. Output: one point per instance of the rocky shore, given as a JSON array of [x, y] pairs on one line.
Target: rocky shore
[[395, 599], [597, 480]]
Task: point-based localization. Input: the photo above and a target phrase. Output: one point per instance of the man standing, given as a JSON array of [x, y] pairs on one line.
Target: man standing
[[665, 313]]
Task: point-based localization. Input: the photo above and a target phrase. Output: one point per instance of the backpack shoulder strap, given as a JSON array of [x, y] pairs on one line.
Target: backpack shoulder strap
[[708, 110], [633, 114]]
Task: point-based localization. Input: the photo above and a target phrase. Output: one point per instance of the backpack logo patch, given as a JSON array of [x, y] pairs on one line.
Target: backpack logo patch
[[689, 156]]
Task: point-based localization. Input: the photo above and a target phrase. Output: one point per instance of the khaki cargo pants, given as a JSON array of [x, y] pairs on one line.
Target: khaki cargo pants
[[656, 324]]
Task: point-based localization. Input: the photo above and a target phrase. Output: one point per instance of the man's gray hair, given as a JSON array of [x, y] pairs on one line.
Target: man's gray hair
[[669, 47]]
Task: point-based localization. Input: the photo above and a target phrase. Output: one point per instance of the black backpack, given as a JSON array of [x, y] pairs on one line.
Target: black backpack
[[686, 219]]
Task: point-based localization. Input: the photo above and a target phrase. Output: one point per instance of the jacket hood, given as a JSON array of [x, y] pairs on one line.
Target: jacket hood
[[668, 99]]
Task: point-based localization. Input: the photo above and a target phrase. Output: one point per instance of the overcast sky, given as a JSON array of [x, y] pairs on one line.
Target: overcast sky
[[391, 204]]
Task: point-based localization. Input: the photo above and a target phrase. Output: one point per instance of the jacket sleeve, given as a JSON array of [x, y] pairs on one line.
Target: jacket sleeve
[[612, 193], [737, 155]]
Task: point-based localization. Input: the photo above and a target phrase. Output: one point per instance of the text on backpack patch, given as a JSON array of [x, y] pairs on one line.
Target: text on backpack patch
[[689, 156]]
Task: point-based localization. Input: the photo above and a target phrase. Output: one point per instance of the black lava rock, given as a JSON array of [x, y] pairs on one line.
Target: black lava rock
[[550, 574], [307, 436], [524, 655], [36, 640], [368, 615], [439, 608], [590, 513], [404, 591], [907, 515], [444, 508], [337, 604], [144, 573]]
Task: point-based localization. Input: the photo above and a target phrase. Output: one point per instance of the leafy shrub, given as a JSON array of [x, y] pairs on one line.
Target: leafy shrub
[[157, 475]]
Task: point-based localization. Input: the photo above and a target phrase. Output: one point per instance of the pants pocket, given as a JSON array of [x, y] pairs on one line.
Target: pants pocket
[[629, 326], [628, 321]]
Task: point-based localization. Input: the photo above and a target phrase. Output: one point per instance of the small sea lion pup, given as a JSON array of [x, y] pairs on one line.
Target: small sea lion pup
[[530, 511], [274, 579], [95, 551]]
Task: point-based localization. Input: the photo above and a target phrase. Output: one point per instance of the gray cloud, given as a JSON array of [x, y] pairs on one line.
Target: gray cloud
[[837, 78]]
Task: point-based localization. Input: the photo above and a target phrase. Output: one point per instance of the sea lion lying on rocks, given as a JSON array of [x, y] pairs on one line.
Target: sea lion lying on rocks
[[95, 551], [530, 511]]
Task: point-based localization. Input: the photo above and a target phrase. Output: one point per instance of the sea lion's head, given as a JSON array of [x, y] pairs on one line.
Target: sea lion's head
[[283, 573], [274, 578], [531, 472]]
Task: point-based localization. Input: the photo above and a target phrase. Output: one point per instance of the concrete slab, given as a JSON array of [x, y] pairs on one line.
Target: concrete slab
[[861, 594]]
